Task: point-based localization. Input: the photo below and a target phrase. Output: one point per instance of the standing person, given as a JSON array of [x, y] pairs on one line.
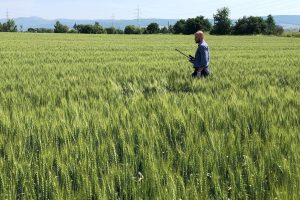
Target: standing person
[[202, 57]]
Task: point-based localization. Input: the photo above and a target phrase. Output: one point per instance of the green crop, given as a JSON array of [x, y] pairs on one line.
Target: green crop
[[119, 117]]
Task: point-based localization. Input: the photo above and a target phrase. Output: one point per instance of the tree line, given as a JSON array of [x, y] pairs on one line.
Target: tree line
[[9, 26], [152, 28], [222, 25], [244, 26]]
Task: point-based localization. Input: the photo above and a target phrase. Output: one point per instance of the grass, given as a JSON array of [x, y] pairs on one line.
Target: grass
[[119, 117], [291, 34]]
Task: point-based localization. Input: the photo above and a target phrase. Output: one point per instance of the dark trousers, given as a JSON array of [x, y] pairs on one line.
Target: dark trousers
[[200, 72]]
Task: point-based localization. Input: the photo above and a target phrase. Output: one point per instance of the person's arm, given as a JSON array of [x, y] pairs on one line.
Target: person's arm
[[204, 61], [197, 60], [202, 57]]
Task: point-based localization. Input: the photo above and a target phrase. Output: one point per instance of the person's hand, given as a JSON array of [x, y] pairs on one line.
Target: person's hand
[[191, 59]]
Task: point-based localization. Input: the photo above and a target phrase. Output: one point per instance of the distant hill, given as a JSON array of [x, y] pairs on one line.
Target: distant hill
[[287, 21]]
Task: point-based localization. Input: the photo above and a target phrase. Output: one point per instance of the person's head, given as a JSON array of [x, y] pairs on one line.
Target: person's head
[[199, 36]]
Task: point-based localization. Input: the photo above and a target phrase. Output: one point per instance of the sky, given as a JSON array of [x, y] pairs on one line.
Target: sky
[[128, 9]]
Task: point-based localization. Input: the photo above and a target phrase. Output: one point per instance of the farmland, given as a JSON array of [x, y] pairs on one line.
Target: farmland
[[119, 117]]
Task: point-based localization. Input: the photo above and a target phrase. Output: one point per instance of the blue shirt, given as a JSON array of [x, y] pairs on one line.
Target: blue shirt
[[202, 56]]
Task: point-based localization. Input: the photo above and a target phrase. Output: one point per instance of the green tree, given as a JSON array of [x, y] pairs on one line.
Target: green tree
[[9, 26], [60, 28], [152, 28], [240, 27], [85, 28], [90, 29], [119, 31], [111, 30], [179, 26], [131, 29], [192, 25], [249, 26], [270, 25], [75, 26], [278, 30], [171, 29], [31, 30], [39, 30], [98, 29], [1, 27], [222, 23], [256, 25], [44, 30], [164, 30]]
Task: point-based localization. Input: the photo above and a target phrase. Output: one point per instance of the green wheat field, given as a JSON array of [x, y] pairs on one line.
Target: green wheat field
[[119, 117]]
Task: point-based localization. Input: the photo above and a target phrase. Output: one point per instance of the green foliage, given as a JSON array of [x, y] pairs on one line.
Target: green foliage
[[98, 29], [291, 34], [152, 28], [9, 26], [179, 26], [164, 30], [111, 30], [90, 29], [222, 22], [119, 117], [278, 30], [40, 30], [75, 26], [249, 26], [192, 25], [171, 29], [60, 28], [256, 25], [86, 28], [119, 31], [271, 25], [131, 29]]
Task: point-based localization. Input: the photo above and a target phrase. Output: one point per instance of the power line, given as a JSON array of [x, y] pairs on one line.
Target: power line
[[138, 16], [7, 15]]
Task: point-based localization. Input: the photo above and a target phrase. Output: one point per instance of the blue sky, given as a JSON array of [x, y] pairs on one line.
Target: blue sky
[[168, 9]]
